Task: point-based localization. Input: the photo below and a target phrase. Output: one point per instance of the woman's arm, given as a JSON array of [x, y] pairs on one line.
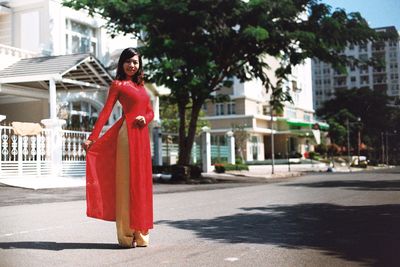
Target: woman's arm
[[105, 113], [141, 121], [149, 113]]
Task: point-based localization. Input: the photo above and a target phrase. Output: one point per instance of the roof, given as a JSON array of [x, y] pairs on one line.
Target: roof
[[70, 72]]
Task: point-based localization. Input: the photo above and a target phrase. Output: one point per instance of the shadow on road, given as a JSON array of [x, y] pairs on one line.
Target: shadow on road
[[367, 234], [55, 246], [385, 185]]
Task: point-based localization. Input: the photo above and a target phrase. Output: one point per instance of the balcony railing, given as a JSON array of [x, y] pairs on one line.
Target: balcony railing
[[16, 52]]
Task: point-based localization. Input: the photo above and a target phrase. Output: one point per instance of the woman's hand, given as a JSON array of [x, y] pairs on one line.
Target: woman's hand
[[87, 144], [140, 121]]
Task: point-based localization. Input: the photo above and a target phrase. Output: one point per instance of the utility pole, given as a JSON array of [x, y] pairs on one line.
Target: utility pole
[[348, 141], [272, 141], [358, 140], [383, 149], [288, 144], [387, 148]]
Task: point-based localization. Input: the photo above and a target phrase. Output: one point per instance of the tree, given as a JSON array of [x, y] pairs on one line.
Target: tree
[[196, 47], [370, 106], [169, 120]]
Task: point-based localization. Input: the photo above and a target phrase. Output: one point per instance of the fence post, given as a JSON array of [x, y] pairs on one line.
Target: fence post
[[206, 149], [157, 146], [55, 144], [231, 147], [19, 155], [2, 117]]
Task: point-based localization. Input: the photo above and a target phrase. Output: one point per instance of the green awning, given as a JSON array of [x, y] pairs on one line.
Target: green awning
[[298, 123]]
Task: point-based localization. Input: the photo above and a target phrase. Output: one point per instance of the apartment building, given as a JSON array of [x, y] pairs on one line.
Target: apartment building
[[294, 129], [326, 80]]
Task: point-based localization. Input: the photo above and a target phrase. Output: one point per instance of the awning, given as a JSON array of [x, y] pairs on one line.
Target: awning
[[308, 124], [70, 72], [42, 77]]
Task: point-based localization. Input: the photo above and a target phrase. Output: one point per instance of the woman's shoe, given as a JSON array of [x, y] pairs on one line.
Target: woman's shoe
[[142, 240]]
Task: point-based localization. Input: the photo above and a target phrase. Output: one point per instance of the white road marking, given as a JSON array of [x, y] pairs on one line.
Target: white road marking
[[231, 259]]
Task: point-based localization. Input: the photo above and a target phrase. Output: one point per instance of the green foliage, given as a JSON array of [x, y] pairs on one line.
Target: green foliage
[[366, 110], [194, 46], [314, 155], [223, 167]]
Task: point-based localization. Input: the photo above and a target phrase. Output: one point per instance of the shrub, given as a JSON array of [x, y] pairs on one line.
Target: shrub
[[314, 155], [322, 149], [219, 168], [222, 167], [295, 154]]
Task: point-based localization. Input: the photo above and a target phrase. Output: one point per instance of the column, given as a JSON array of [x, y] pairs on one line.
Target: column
[[206, 149], [54, 140], [52, 99], [231, 147]]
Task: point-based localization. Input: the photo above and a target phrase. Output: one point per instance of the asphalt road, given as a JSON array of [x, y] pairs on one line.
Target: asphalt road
[[337, 219]]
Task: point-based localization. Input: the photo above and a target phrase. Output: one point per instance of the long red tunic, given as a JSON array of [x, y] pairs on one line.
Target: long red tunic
[[100, 159]]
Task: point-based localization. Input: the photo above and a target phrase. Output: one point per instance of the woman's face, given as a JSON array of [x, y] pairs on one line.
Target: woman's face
[[131, 66]]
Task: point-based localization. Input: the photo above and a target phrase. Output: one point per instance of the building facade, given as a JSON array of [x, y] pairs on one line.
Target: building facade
[[248, 109], [326, 80]]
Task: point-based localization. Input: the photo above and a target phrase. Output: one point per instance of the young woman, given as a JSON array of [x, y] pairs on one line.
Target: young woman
[[118, 164]]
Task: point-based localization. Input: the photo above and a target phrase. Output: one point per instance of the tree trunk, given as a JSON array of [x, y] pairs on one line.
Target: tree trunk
[[185, 147], [182, 131]]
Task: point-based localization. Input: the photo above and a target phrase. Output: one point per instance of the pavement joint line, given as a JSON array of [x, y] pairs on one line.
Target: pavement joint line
[[35, 230]]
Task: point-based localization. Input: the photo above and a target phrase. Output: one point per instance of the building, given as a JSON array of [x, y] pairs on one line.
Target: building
[[248, 109], [44, 28], [326, 80], [56, 65]]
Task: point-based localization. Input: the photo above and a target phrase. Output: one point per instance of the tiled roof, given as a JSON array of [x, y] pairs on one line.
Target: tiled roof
[[42, 65]]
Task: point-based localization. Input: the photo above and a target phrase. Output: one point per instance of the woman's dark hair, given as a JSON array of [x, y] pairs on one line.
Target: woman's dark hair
[[125, 55]]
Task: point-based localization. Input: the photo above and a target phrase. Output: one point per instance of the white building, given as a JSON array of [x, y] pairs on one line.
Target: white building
[[326, 80], [249, 108], [55, 64]]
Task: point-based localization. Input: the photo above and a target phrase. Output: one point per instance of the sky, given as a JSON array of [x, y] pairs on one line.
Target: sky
[[378, 13]]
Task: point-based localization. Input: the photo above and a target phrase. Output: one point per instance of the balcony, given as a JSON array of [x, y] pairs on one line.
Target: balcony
[[9, 55]]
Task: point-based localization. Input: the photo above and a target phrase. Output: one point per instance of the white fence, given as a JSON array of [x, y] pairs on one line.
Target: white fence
[[31, 155]]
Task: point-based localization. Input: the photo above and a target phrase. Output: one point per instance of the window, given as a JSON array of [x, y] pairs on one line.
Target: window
[[266, 110], [230, 108], [219, 109], [79, 115], [363, 48], [80, 38], [290, 113]]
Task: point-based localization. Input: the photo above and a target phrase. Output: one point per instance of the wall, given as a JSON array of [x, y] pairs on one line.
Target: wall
[[5, 29], [33, 111]]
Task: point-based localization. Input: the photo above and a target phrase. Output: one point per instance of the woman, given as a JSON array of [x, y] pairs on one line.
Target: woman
[[118, 165]]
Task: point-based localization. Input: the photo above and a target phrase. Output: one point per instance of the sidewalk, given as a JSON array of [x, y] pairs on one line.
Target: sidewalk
[[256, 173]]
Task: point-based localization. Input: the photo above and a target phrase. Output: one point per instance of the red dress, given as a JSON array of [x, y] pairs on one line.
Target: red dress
[[100, 158]]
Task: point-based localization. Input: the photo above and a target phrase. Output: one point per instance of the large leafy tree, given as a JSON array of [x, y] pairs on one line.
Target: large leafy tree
[[195, 47]]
